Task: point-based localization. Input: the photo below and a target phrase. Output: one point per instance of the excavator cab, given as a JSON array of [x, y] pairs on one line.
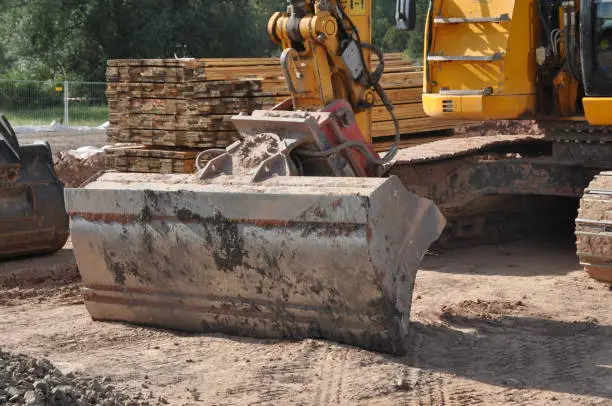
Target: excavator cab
[[596, 54], [33, 218]]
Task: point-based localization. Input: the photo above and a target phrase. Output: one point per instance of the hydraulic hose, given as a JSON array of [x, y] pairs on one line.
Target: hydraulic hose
[[373, 81]]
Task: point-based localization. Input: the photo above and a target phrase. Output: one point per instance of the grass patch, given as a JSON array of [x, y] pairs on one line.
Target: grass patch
[[85, 116]]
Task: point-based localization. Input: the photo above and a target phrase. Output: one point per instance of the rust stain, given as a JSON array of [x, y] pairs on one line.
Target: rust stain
[[368, 233], [229, 307], [336, 204], [109, 218], [105, 217]]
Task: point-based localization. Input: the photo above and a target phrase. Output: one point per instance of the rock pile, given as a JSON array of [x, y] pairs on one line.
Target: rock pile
[[36, 382]]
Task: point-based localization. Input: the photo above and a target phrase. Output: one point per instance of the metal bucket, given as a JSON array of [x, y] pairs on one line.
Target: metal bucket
[[289, 257]]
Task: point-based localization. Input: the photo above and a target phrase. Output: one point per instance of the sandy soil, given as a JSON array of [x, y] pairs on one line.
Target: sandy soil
[[517, 324]]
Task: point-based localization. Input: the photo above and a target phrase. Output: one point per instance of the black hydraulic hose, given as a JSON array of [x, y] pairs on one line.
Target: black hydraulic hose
[[379, 90], [543, 19], [299, 8], [377, 74], [569, 48]]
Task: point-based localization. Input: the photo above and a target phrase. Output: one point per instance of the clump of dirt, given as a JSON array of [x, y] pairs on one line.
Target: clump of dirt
[[33, 382], [73, 172], [253, 151], [481, 309], [502, 127]]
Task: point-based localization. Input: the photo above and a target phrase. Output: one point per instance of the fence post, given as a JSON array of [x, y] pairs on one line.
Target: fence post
[[66, 96]]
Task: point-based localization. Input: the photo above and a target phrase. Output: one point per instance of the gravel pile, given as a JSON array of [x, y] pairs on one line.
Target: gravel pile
[[36, 382]]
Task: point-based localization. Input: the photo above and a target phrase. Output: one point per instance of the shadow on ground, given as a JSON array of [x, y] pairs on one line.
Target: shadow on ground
[[517, 352], [529, 257]]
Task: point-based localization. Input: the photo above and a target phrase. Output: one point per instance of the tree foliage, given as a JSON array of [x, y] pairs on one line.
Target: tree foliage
[[72, 39]]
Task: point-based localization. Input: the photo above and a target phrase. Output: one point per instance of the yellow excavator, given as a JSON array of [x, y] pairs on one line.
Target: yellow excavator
[[544, 60], [301, 229]]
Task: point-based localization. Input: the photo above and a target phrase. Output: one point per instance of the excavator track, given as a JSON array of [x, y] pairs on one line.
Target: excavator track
[[594, 228], [484, 203], [483, 209], [590, 146]]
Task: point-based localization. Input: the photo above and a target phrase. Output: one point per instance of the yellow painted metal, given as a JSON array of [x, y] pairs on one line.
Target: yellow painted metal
[[318, 73], [597, 110], [566, 94], [476, 107], [503, 87]]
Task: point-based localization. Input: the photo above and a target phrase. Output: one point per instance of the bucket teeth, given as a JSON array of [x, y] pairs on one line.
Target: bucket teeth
[[290, 257]]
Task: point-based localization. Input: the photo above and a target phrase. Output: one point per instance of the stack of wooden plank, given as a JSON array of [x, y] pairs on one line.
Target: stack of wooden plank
[[151, 160], [186, 103], [165, 104]]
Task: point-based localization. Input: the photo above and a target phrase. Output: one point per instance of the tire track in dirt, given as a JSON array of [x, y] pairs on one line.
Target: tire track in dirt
[[518, 397], [286, 375], [426, 386], [331, 377], [430, 388], [515, 360], [571, 362], [465, 396]]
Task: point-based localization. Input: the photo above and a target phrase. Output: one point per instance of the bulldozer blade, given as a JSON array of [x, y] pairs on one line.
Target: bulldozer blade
[[286, 258]]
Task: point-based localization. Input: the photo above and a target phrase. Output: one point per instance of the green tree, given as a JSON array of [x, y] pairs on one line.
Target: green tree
[[73, 39], [391, 39]]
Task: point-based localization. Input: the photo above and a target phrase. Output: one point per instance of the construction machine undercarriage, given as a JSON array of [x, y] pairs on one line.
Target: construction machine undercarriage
[[495, 187], [301, 229]]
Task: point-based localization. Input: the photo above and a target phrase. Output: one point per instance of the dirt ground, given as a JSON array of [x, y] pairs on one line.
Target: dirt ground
[[64, 141], [517, 324]]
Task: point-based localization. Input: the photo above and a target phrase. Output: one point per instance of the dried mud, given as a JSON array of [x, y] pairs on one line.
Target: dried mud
[[74, 172]]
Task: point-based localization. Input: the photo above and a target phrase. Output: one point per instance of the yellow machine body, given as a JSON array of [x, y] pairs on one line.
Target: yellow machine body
[[317, 73], [482, 63], [549, 61]]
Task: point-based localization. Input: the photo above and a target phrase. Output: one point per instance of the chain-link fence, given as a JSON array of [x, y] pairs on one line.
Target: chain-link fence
[[31, 102]]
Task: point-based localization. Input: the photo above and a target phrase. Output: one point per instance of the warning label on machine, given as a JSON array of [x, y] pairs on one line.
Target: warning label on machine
[[357, 7]]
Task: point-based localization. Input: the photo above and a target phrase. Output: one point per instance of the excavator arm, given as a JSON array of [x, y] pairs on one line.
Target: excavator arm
[[326, 56]]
